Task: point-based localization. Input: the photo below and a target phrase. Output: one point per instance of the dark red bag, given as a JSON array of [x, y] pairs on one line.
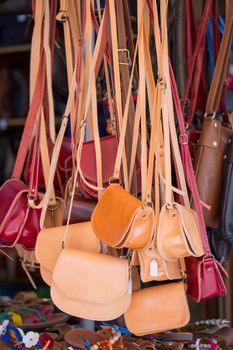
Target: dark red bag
[[108, 146], [205, 279], [19, 222]]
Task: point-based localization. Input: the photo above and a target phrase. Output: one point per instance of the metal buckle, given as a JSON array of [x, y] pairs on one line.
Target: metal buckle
[[62, 16], [185, 142], [210, 115], [128, 63], [162, 82]]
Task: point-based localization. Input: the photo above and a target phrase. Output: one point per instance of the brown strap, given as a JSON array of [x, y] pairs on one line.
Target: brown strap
[[221, 64]]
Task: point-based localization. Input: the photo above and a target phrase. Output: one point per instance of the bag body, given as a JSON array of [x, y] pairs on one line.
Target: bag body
[[19, 223], [178, 233], [120, 220], [205, 278], [157, 309], [208, 167], [49, 245], [82, 208], [108, 146], [102, 285]]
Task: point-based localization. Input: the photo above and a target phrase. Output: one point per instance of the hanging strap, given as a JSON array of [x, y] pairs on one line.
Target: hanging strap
[[197, 60], [216, 86]]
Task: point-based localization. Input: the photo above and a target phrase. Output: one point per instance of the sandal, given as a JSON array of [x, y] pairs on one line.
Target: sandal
[[106, 338], [33, 318]]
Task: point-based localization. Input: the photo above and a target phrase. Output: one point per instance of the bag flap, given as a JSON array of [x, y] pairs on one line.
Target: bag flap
[[153, 309], [48, 244], [91, 277], [190, 229], [114, 214], [108, 154], [213, 131]]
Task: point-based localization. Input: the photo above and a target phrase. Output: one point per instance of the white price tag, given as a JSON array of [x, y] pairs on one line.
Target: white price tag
[[153, 268]]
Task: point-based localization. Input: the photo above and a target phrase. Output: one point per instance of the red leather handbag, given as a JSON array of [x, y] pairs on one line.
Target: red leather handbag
[[204, 274], [19, 222], [88, 164]]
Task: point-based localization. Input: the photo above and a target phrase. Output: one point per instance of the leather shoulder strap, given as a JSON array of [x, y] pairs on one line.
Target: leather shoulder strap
[[216, 86]]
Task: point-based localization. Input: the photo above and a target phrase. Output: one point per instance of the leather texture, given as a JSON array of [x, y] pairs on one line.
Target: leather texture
[[158, 309], [82, 209], [208, 167], [102, 285], [49, 245], [178, 233], [206, 278], [226, 219], [119, 220], [166, 270], [88, 164], [18, 222]]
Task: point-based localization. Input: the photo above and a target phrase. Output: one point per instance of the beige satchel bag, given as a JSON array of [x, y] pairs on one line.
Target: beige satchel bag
[[49, 246], [91, 285], [158, 309]]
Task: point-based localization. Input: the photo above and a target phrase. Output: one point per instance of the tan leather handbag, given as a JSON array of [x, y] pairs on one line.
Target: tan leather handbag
[[178, 233], [49, 245], [153, 267], [158, 309], [91, 285]]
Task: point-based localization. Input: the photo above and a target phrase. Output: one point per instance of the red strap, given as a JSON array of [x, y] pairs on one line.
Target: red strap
[[187, 162], [30, 121], [190, 34], [199, 45]]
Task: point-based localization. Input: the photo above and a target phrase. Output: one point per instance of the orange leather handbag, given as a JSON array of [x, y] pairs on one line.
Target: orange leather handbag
[[158, 309], [120, 220], [49, 246]]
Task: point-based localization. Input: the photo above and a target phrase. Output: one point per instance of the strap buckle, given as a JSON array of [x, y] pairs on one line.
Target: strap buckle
[[185, 141], [62, 16], [128, 59]]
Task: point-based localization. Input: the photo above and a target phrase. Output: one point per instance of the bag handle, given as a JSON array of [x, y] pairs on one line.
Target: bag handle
[[187, 161], [194, 76], [97, 52], [216, 86]]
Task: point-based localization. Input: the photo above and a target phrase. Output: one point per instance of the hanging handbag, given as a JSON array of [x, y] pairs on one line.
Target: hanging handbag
[[120, 220], [158, 309], [214, 136], [91, 285], [204, 274], [48, 245], [82, 208]]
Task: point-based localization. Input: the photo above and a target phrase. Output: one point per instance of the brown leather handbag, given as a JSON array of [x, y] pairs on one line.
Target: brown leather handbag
[[214, 136], [91, 285], [49, 245], [158, 309]]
